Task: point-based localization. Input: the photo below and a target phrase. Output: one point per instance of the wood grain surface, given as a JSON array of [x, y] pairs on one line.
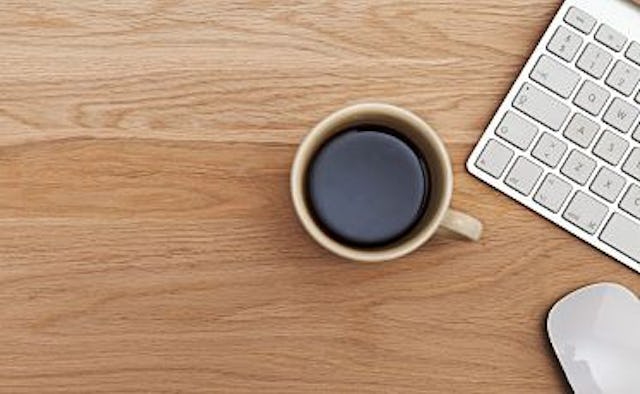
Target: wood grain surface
[[147, 239]]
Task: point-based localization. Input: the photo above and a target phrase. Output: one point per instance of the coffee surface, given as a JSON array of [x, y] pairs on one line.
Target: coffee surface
[[367, 187]]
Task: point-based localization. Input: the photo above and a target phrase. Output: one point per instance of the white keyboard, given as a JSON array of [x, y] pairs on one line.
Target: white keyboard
[[566, 140]]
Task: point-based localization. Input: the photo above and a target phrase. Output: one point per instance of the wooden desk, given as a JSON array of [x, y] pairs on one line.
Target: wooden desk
[[147, 242]]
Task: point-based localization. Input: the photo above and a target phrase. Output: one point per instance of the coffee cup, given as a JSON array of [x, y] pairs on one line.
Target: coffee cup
[[373, 182]]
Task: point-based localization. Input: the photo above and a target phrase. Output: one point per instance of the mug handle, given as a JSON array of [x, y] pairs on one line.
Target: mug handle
[[462, 224]]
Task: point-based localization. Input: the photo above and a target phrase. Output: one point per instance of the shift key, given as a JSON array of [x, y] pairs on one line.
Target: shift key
[[623, 235], [541, 106]]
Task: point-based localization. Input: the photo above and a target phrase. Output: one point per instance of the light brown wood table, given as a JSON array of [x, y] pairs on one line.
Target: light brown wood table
[[147, 240]]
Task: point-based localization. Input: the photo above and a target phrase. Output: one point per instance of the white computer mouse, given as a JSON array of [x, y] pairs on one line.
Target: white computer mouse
[[595, 332]]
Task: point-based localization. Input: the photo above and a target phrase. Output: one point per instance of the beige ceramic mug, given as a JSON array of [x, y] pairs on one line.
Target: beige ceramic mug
[[437, 214]]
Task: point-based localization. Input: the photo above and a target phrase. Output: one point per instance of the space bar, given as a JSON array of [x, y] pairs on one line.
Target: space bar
[[623, 235]]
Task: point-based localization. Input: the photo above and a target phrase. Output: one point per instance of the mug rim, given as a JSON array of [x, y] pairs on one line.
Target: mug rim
[[309, 147]]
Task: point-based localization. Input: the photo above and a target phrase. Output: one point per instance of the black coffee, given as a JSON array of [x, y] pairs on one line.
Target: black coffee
[[368, 186]]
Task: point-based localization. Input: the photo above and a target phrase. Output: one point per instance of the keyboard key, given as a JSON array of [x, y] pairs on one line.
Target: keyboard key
[[517, 131], [578, 167], [621, 115], [611, 37], [632, 165], [636, 134], [581, 130], [594, 61], [541, 106], [611, 148], [565, 43], [494, 158], [549, 150], [523, 176], [586, 212], [555, 76], [633, 53], [580, 20], [623, 234], [631, 201], [608, 184], [624, 78], [552, 193], [591, 98]]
